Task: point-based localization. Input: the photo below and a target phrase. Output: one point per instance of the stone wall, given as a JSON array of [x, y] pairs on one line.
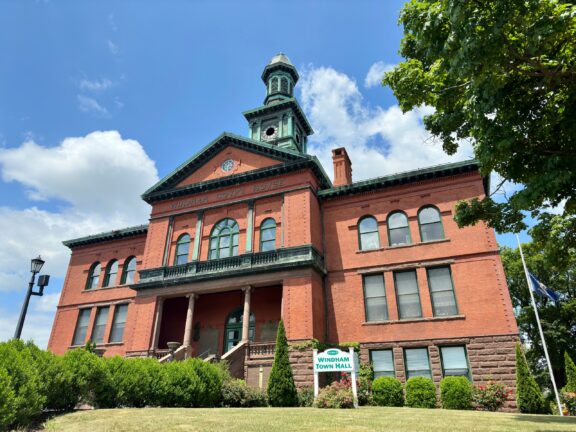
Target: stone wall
[[302, 366]]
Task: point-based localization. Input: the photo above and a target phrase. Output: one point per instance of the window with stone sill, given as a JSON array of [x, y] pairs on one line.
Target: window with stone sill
[[118, 323], [398, 229], [100, 324], [383, 363], [454, 361], [368, 237], [111, 272], [442, 291], [268, 235], [94, 276], [224, 239], [407, 294], [182, 249], [376, 306], [417, 362], [81, 329], [129, 270], [430, 224]]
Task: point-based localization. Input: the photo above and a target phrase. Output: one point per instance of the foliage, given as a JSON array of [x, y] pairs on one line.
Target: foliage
[[235, 393], [7, 400], [528, 395], [570, 373], [137, 381], [28, 400], [420, 393], [223, 369], [387, 391], [501, 74], [456, 393], [281, 388], [569, 401], [365, 379], [305, 397], [558, 319], [336, 395], [490, 397]]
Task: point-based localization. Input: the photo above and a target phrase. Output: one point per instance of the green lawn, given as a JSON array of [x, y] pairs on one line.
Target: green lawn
[[303, 419]]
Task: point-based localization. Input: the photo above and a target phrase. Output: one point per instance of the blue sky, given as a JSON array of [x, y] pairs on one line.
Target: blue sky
[[102, 98]]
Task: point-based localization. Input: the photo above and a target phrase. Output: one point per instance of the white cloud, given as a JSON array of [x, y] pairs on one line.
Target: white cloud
[[88, 104], [376, 73], [97, 85], [379, 140], [113, 48], [100, 176]]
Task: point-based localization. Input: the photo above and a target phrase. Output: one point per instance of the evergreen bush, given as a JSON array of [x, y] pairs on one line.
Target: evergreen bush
[[281, 388], [235, 393], [365, 379], [420, 393], [456, 393], [570, 373], [387, 391], [528, 395], [84, 377], [28, 399]]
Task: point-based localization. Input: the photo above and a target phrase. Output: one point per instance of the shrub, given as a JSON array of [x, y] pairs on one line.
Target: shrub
[[20, 366], [84, 375], [420, 393], [137, 382], [570, 373], [305, 397], [7, 400], [456, 393], [528, 395], [387, 391], [569, 402], [235, 393], [365, 379], [281, 388], [490, 397], [336, 395]]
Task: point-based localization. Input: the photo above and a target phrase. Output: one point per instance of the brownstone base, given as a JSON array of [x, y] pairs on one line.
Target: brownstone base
[[491, 358]]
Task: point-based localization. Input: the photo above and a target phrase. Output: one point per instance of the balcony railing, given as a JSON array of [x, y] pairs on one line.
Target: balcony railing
[[299, 256]]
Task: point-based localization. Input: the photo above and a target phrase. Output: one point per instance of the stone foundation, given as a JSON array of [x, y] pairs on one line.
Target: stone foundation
[[491, 358]]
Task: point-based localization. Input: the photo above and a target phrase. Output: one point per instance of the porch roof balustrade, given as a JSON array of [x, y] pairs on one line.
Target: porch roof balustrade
[[250, 263]]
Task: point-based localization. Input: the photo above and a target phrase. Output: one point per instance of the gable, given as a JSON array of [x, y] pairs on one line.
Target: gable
[[242, 161]]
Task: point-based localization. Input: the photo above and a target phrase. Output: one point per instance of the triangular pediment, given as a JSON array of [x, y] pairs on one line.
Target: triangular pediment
[[241, 155]]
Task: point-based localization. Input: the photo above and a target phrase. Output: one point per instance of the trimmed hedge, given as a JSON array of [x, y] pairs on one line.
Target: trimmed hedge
[[7, 400], [456, 393], [420, 393], [387, 391], [235, 393], [281, 388]]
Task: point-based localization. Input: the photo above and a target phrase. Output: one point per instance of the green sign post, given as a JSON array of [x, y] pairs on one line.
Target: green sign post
[[336, 360]]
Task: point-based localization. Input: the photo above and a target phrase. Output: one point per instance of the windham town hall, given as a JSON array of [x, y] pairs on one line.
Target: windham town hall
[[251, 230]]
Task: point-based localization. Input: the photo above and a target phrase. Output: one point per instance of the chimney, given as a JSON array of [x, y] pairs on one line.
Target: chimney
[[342, 167]]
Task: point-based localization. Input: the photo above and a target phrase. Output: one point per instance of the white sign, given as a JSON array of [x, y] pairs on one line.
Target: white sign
[[336, 360]]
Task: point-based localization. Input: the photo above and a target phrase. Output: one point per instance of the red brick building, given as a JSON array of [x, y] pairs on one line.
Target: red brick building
[[251, 230]]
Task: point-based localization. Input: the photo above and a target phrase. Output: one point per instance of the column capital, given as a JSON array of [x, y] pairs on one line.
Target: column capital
[[192, 295], [247, 288]]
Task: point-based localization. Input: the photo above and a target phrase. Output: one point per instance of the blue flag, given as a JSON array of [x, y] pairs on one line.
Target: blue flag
[[539, 288]]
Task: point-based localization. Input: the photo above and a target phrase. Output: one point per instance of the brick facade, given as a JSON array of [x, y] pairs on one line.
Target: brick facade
[[310, 274]]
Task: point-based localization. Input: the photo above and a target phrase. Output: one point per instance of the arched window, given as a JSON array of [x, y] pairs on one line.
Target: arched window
[[398, 230], [233, 331], [284, 85], [274, 85], [182, 249], [430, 224], [224, 239], [368, 233], [129, 271], [94, 276], [268, 235], [111, 272]]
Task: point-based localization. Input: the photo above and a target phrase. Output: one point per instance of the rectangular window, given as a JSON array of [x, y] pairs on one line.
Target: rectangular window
[[118, 323], [375, 298], [383, 363], [442, 291], [417, 362], [100, 324], [81, 327], [454, 361], [407, 294]]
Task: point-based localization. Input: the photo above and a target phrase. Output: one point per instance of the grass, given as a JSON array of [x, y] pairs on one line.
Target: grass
[[303, 419]]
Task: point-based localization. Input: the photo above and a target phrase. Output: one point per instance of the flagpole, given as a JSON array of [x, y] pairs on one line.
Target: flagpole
[[540, 327]]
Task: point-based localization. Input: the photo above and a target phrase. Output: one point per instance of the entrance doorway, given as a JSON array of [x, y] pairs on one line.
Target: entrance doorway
[[233, 330]]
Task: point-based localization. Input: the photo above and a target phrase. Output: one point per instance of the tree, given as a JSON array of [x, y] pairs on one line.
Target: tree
[[502, 74], [570, 374], [528, 395], [281, 388], [558, 319]]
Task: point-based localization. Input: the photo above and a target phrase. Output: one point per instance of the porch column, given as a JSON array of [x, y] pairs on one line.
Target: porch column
[[189, 323], [157, 323], [246, 316]]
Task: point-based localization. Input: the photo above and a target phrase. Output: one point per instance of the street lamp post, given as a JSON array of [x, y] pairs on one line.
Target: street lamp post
[[35, 267]]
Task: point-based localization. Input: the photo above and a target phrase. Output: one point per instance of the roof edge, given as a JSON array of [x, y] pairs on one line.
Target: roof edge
[[107, 236]]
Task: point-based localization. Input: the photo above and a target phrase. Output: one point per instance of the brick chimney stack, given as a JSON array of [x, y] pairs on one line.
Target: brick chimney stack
[[342, 167]]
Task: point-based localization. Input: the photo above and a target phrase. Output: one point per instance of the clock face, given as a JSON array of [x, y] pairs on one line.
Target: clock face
[[227, 165], [269, 133]]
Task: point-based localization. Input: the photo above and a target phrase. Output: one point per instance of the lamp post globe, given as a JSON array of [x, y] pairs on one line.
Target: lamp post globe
[[36, 264]]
